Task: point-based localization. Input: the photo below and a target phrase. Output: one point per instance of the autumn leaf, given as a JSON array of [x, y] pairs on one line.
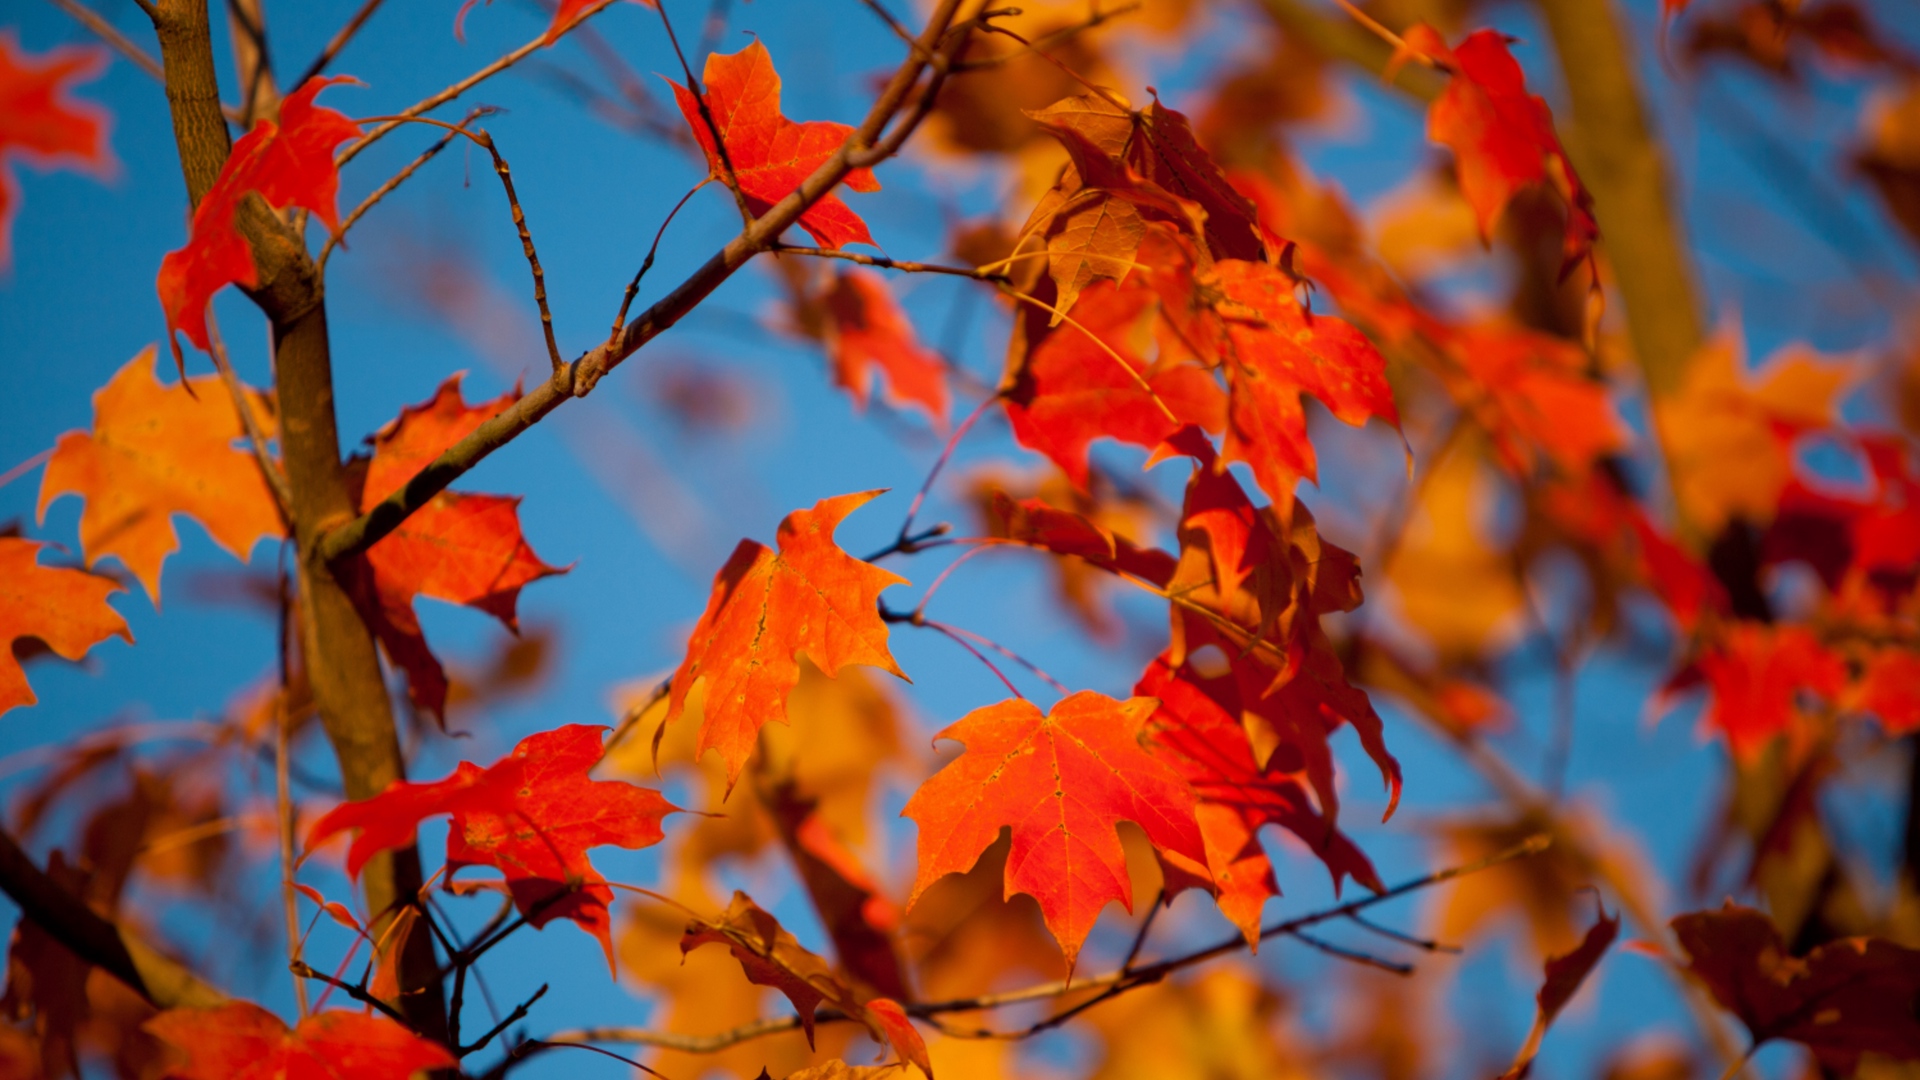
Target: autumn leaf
[[1457, 582], [1729, 434], [1220, 1023], [771, 956], [242, 1041], [768, 607], [868, 331], [852, 906], [41, 123], [1061, 782], [1843, 999], [461, 548], [287, 164], [66, 609], [1199, 740], [532, 815], [1755, 674], [1532, 394], [1502, 137], [770, 155], [1087, 380], [1564, 975], [156, 451], [1063, 532]]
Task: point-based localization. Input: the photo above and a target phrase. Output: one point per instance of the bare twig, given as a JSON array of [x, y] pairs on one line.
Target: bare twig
[[646, 264], [428, 104], [881, 261], [518, 1014], [111, 34], [339, 235], [339, 41], [356, 991], [256, 437]]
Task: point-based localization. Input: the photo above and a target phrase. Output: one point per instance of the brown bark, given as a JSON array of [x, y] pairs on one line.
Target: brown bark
[[1620, 162], [348, 689]]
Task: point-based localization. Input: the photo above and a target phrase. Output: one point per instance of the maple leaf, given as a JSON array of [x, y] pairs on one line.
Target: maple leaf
[[866, 330], [850, 903], [766, 608], [287, 164], [41, 124], [461, 548], [1061, 782], [1274, 350], [1729, 434], [242, 1041], [66, 609], [1087, 380], [1844, 999], [1532, 394], [1755, 673], [1502, 137], [770, 154], [1193, 734], [771, 956], [532, 815], [156, 451], [1063, 532], [1564, 974]]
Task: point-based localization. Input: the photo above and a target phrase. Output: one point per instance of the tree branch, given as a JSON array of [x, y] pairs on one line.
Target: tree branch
[[1112, 982], [869, 143], [111, 34], [163, 982]]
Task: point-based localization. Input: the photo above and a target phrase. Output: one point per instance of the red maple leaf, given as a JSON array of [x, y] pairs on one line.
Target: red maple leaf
[[461, 548], [288, 164], [65, 609], [1755, 674], [867, 330], [770, 154], [1061, 782], [242, 1041], [41, 125], [1086, 380], [532, 815], [1502, 137], [765, 609], [1198, 739]]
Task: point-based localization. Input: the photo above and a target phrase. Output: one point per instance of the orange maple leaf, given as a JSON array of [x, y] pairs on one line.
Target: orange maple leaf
[[461, 548], [1756, 674], [41, 124], [287, 164], [242, 1041], [532, 815], [766, 608], [770, 154], [1061, 782], [66, 609], [156, 451], [1502, 137], [867, 330]]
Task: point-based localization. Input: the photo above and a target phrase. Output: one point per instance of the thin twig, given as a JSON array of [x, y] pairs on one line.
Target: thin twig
[[1047, 41], [393, 182], [1341, 952], [1112, 983], [283, 796], [526, 245], [902, 265], [646, 264], [256, 436], [1402, 937], [1146, 926], [339, 41], [518, 1014], [428, 104], [728, 176], [111, 34], [353, 990]]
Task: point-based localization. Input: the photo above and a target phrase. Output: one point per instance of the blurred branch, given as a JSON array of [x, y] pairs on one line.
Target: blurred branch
[[339, 41], [108, 33], [1621, 163], [1341, 38], [1111, 983], [67, 919]]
